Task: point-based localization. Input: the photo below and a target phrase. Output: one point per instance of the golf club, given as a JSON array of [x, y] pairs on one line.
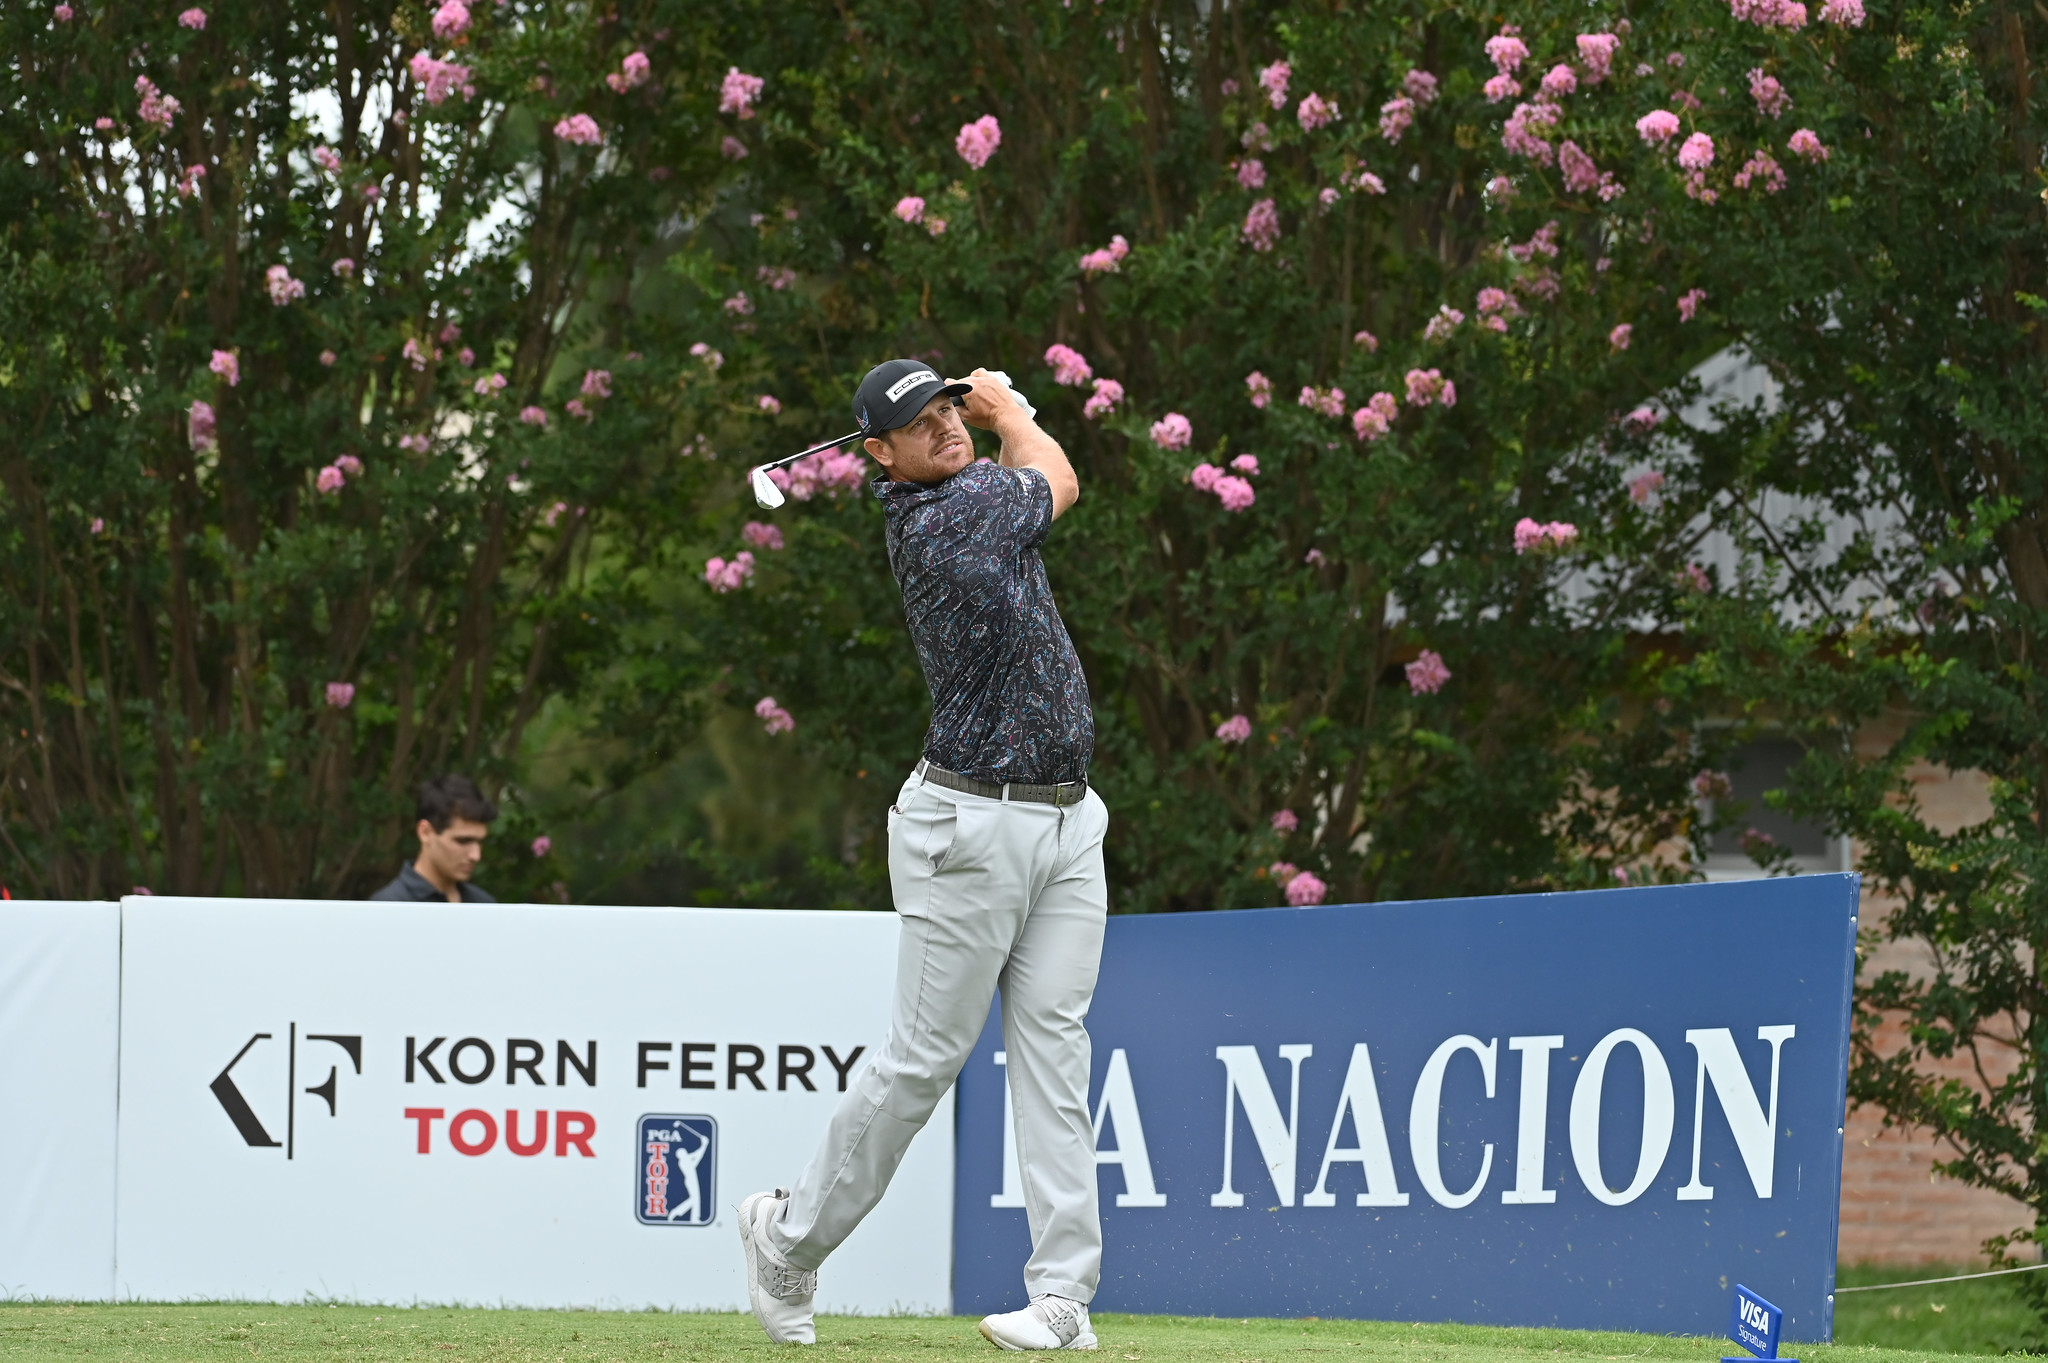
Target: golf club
[[770, 496]]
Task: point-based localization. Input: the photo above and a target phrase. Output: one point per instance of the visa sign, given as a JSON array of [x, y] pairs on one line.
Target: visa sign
[[1461, 1110]]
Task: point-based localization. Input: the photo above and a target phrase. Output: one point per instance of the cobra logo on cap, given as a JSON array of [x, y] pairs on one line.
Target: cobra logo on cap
[[910, 381]]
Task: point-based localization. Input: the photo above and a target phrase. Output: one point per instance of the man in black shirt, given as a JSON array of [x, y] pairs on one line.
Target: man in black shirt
[[995, 859], [454, 818]]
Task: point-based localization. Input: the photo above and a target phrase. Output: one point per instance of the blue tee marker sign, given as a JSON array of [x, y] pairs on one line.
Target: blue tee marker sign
[[1754, 1325]]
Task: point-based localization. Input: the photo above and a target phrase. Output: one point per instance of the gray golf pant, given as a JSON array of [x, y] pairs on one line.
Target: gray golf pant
[[989, 893]]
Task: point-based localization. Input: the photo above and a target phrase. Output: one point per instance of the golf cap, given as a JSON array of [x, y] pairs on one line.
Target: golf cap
[[895, 391]]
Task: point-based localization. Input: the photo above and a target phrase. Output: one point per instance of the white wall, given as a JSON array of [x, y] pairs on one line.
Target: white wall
[[59, 1038]]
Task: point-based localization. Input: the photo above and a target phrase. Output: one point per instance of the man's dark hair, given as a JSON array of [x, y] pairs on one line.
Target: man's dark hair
[[453, 797]]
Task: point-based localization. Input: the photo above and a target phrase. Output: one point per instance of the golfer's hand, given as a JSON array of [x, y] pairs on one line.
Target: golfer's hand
[[989, 404]]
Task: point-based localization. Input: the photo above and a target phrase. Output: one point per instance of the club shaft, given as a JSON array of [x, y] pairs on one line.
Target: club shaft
[[805, 454]]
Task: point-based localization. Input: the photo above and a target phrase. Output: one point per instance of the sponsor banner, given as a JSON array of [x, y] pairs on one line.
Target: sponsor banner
[[1595, 1110], [502, 1105], [60, 1010]]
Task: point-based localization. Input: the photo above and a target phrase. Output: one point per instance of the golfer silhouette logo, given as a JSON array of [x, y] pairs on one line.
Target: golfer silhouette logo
[[677, 1159]]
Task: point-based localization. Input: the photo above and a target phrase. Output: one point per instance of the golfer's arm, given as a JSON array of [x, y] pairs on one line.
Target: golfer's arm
[[1025, 446]]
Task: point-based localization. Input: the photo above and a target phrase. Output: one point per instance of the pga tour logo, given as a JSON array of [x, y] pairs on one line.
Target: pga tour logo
[[678, 1163]]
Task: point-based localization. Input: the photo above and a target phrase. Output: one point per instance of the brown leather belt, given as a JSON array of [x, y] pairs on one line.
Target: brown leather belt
[[1064, 793]]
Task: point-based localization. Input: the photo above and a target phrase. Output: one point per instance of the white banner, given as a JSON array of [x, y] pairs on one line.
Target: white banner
[[60, 970], [497, 1104]]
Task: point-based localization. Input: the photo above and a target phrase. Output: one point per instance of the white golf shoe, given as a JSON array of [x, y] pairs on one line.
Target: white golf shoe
[[1048, 1323], [779, 1292]]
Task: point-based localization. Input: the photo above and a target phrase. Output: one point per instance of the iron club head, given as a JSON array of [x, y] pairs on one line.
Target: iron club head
[[766, 494]]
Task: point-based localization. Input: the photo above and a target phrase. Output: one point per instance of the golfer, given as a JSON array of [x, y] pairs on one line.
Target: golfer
[[995, 860]]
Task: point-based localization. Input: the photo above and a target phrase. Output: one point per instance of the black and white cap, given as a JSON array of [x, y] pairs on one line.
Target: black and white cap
[[895, 391]]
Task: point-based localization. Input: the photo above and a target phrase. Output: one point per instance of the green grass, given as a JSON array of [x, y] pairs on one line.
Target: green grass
[[251, 1333], [1987, 1316]]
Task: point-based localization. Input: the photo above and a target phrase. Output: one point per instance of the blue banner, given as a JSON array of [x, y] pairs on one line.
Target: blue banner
[[1596, 1110]]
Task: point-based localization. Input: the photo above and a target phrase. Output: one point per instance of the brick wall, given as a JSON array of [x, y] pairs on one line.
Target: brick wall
[[1895, 1209]]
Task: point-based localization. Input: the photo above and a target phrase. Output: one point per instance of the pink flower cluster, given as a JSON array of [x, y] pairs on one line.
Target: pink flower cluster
[[1658, 125], [1305, 889], [1522, 134], [438, 80], [418, 355], [1641, 421], [910, 208], [1763, 170], [1622, 334], [1376, 418], [1507, 51], [761, 535], [1368, 340], [1427, 674], [534, 416], [418, 443], [226, 364], [200, 428], [1531, 534], [1397, 115], [1327, 401], [1847, 13], [340, 695], [773, 717], [1689, 303], [1805, 143], [1695, 578], [776, 277], [1644, 485], [1596, 52], [769, 403], [977, 141], [1560, 80], [1420, 86], [157, 107], [1697, 153], [1771, 99], [732, 149], [188, 181], [1769, 13], [703, 351], [1273, 80], [1107, 259], [1581, 175], [729, 577], [489, 386], [1439, 327], [283, 289], [1234, 492], [631, 74], [1069, 366], [1500, 87], [1365, 182], [1496, 306], [194, 18], [543, 845], [1251, 173], [1315, 112], [1260, 387], [344, 268], [1236, 729], [1257, 138], [1285, 821], [451, 20], [1262, 226], [330, 479], [597, 383], [738, 91], [580, 129], [1428, 385], [828, 474], [739, 305], [1108, 393], [1172, 432]]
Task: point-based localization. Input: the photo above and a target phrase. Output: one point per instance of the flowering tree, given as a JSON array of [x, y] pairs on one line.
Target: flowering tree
[[323, 374], [1358, 333]]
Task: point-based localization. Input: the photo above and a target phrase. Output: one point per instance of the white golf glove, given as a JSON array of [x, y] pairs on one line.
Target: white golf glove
[[1022, 401]]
